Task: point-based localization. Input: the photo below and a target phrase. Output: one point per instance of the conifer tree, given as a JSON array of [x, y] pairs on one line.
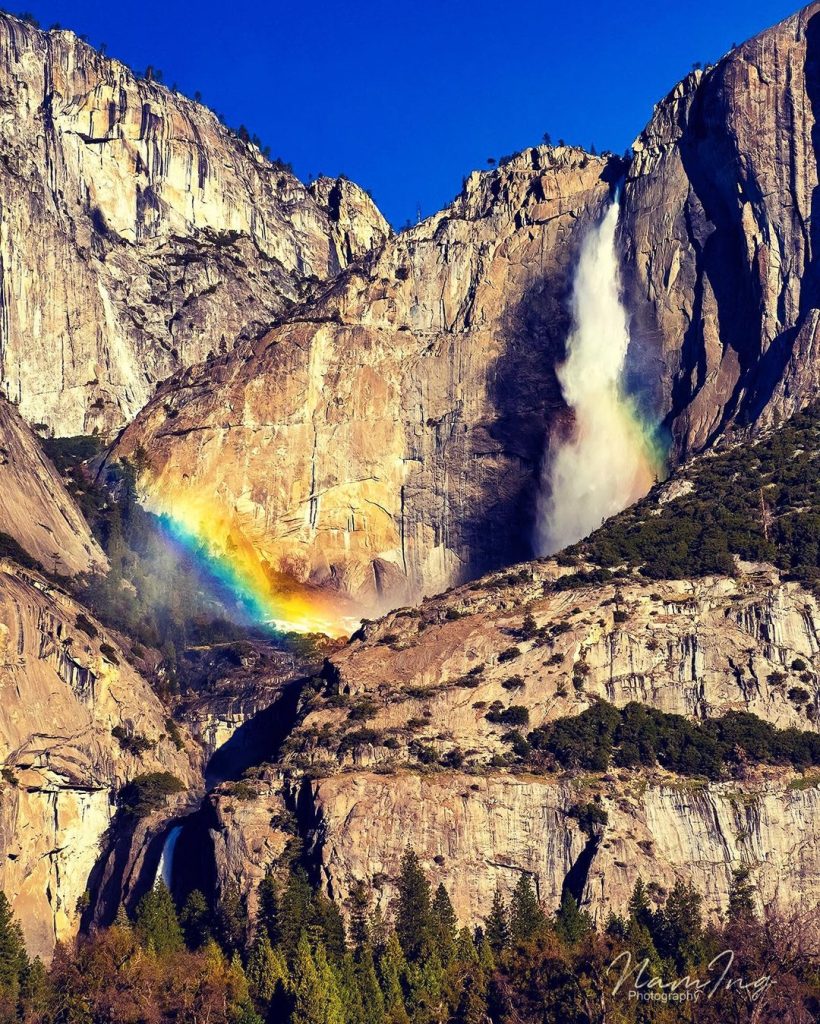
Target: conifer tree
[[443, 925], [331, 927], [359, 915], [232, 919], [571, 923], [741, 896], [13, 958], [466, 952], [309, 1003], [413, 915], [267, 914], [682, 927], [426, 979], [371, 993], [329, 984], [156, 923], [472, 1006], [498, 924], [195, 919], [392, 972], [350, 991], [297, 911], [486, 959], [526, 916], [639, 907], [266, 968]]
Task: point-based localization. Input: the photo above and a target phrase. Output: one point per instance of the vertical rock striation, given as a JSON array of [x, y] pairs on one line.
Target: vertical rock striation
[[137, 233], [64, 686]]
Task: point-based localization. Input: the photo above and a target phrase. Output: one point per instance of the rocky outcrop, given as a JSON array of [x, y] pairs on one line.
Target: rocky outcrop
[[386, 439], [35, 508], [405, 746], [137, 233], [476, 834], [356, 223], [66, 687], [699, 648], [720, 237]]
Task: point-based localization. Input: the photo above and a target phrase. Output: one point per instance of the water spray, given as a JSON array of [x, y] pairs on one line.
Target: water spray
[[611, 458]]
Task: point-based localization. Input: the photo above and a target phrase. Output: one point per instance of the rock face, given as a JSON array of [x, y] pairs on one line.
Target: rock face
[[402, 748], [35, 508], [721, 238], [386, 439], [65, 685], [479, 834], [356, 223], [697, 648], [137, 233], [429, 369]]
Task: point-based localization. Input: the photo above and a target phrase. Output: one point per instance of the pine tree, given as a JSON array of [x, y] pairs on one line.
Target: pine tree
[[639, 907], [413, 913], [392, 972], [309, 1002], [472, 1006], [741, 896], [157, 924], [350, 991], [498, 924], [359, 915], [571, 923], [195, 919], [526, 916], [267, 914], [296, 911], [232, 919], [331, 924], [466, 952], [333, 1012], [443, 925], [486, 959], [34, 990], [13, 958], [426, 979], [266, 969], [682, 925], [372, 997]]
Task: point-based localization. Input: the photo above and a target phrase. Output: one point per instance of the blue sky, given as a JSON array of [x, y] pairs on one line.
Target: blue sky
[[406, 98]]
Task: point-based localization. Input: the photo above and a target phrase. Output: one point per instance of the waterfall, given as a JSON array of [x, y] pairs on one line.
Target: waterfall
[[610, 459], [165, 868]]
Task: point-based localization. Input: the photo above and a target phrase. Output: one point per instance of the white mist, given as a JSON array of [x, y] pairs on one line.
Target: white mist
[[608, 461]]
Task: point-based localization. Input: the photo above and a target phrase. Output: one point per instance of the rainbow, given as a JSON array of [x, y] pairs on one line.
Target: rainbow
[[215, 541]]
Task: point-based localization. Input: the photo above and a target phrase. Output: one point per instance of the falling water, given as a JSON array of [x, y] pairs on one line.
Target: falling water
[[165, 869], [610, 460]]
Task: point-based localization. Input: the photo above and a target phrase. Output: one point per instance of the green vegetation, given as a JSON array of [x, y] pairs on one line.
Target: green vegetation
[[146, 793], [637, 735], [758, 501], [131, 742], [296, 962]]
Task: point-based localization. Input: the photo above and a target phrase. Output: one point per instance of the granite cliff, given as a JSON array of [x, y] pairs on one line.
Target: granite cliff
[[35, 507], [77, 724], [429, 367], [138, 233]]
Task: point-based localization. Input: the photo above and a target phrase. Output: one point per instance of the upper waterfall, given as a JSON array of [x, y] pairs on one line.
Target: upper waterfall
[[610, 459]]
